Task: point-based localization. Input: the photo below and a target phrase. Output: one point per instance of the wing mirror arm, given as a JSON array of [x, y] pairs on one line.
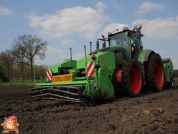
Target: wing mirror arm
[[104, 41]]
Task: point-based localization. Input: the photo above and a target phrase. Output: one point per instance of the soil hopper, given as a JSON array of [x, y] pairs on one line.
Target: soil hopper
[[119, 66]]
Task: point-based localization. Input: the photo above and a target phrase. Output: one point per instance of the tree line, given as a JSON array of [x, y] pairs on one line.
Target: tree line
[[18, 61]]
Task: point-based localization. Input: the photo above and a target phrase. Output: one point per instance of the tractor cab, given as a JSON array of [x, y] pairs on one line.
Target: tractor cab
[[128, 40]]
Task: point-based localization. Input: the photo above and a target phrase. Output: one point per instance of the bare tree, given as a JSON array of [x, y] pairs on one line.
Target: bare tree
[[7, 60], [40, 71], [19, 52], [1, 74], [34, 46]]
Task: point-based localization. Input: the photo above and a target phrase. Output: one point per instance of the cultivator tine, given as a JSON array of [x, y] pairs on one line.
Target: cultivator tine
[[51, 89], [65, 93], [62, 99], [49, 94]]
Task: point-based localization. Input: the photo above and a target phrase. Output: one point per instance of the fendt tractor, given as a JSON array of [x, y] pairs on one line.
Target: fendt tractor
[[121, 66]]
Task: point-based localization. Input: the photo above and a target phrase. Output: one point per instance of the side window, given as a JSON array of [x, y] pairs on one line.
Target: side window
[[139, 43], [113, 43], [131, 41]]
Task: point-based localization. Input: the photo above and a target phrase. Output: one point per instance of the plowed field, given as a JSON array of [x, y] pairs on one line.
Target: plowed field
[[151, 113]]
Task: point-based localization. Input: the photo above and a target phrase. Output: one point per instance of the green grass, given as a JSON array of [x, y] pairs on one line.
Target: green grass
[[17, 83]]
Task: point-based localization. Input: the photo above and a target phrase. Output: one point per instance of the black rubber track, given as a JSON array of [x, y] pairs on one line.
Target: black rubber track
[[151, 73], [126, 77]]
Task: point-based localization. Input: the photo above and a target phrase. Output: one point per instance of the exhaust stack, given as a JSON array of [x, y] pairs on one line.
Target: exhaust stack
[[97, 44], [70, 53], [90, 47]]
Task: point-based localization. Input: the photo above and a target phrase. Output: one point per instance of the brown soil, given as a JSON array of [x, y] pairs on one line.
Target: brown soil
[[152, 113]]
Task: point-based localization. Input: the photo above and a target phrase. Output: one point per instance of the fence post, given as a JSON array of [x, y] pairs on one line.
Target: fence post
[[41, 79], [34, 72], [14, 79]]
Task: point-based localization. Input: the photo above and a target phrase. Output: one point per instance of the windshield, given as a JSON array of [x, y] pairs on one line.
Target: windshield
[[120, 39]]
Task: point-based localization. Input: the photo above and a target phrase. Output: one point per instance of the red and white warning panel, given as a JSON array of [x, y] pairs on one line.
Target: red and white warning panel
[[48, 75], [91, 69]]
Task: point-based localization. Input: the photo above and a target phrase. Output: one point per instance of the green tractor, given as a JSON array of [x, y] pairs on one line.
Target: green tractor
[[120, 66]]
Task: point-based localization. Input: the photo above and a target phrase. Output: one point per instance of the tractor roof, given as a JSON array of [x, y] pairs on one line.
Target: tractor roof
[[125, 29]]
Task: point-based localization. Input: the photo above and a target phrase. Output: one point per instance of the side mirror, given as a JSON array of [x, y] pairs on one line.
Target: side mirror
[[103, 44], [103, 41], [138, 33], [97, 44]]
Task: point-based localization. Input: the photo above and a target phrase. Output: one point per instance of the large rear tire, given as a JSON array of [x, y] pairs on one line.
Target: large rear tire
[[132, 78], [155, 73]]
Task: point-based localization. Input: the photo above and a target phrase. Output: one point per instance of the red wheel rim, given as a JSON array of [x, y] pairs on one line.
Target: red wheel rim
[[159, 73], [135, 79], [117, 77]]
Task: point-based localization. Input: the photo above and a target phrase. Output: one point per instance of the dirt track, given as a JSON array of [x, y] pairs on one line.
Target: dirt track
[[153, 113]]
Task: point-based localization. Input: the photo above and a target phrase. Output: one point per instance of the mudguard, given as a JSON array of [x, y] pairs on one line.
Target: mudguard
[[168, 69], [144, 55]]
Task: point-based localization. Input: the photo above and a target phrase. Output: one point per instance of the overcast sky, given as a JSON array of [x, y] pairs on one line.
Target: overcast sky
[[73, 23]]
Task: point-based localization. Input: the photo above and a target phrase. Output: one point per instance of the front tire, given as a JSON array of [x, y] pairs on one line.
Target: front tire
[[132, 78], [155, 73], [116, 80]]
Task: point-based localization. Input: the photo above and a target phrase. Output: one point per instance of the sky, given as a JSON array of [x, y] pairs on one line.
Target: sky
[[65, 24]]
